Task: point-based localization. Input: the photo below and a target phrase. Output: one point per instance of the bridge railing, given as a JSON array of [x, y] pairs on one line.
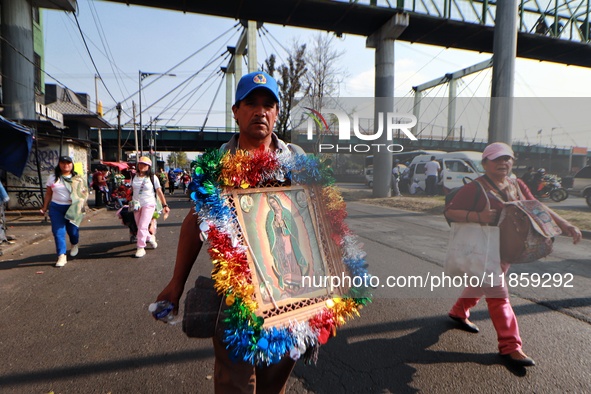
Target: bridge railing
[[562, 19]]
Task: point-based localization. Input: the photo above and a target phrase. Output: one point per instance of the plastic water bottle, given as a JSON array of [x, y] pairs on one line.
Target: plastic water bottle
[[162, 310]]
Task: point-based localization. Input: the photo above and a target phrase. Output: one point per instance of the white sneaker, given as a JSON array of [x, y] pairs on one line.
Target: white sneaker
[[153, 243], [141, 252], [61, 260], [74, 250]]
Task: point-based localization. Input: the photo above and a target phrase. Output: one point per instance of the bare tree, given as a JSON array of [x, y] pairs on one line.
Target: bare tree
[[290, 84], [324, 76]]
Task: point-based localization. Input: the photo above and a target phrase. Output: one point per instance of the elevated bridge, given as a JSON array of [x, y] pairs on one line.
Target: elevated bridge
[[549, 30], [186, 140]]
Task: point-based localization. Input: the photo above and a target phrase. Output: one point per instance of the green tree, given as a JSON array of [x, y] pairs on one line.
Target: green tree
[[178, 160]]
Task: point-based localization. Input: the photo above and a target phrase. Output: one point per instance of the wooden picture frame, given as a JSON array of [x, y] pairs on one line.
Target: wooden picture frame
[[289, 249]]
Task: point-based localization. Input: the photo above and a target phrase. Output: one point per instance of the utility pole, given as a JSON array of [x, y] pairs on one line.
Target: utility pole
[[135, 134], [99, 110], [118, 132]]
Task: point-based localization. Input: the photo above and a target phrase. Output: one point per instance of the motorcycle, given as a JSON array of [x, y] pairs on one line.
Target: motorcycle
[[550, 187]]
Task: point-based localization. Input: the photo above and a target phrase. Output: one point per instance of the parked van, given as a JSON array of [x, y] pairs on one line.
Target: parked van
[[582, 184], [455, 166], [368, 172]]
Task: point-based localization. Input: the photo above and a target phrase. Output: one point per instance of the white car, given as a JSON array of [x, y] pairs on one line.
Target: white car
[[582, 184]]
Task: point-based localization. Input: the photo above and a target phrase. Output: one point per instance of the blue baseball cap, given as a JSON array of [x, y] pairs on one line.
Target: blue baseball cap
[[256, 80]]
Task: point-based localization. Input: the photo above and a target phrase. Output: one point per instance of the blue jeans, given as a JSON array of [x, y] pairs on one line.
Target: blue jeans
[[60, 226]]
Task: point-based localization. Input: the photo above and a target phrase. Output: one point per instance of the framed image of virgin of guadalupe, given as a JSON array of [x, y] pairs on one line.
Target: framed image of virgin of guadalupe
[[290, 253]]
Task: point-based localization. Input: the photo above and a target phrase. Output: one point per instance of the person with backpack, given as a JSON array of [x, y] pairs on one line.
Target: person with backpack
[[171, 181], [469, 204], [146, 189]]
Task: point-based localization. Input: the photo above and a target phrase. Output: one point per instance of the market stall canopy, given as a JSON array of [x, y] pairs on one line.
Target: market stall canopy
[[15, 148], [121, 165]]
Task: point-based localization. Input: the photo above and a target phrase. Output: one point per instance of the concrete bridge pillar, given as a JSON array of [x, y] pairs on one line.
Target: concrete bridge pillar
[[383, 42], [19, 89], [503, 78]]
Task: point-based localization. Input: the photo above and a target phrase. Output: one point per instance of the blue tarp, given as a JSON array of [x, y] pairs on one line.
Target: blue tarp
[[16, 141]]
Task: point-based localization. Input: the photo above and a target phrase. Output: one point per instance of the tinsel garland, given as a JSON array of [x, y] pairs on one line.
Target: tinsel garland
[[217, 172]]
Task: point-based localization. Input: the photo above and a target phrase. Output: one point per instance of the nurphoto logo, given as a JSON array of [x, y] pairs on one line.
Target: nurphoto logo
[[357, 132]]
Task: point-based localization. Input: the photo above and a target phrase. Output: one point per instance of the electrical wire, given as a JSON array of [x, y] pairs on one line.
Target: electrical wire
[[190, 95], [107, 48], [179, 63], [92, 59], [211, 105], [175, 88], [30, 61]]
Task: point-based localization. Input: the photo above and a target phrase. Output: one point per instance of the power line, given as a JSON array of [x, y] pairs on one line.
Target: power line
[[105, 43], [179, 63], [212, 102], [197, 99], [92, 59], [30, 61], [179, 85]]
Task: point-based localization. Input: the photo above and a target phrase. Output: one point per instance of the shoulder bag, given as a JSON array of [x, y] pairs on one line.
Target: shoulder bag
[[202, 309], [527, 230], [473, 250]]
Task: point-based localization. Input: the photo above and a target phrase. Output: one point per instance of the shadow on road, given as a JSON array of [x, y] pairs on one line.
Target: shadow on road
[[95, 252], [80, 371]]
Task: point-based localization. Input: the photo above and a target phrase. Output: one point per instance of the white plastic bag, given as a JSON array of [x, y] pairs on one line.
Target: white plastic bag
[[474, 250]]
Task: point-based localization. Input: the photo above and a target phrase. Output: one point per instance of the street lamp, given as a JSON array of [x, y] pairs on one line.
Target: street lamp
[[143, 75]]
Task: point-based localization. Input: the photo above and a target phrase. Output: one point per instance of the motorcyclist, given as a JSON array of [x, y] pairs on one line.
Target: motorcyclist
[[528, 178], [539, 180]]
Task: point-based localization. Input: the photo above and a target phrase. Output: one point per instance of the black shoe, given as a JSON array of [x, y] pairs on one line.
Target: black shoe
[[522, 362], [465, 324]]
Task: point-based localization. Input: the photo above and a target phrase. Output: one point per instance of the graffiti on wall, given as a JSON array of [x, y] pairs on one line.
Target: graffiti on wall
[[25, 192], [48, 159], [29, 199]]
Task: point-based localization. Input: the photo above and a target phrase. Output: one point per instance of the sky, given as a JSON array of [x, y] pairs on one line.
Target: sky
[[126, 39]]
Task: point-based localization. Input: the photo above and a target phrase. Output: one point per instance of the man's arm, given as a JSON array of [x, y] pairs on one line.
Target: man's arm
[[188, 249]]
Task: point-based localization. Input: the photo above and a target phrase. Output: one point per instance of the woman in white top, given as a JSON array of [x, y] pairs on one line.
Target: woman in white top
[[144, 203], [65, 197]]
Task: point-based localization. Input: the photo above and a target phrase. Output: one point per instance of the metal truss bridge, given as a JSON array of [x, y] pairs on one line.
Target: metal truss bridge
[[549, 30]]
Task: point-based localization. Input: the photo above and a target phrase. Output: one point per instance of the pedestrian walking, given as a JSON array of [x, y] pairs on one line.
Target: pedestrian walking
[[171, 181], [470, 205], [255, 112], [146, 192], [65, 200], [163, 178]]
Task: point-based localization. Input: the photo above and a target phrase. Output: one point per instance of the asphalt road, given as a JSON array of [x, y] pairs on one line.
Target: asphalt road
[[85, 328]]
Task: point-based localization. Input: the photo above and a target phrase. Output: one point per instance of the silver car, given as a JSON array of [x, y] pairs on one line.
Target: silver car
[[582, 184]]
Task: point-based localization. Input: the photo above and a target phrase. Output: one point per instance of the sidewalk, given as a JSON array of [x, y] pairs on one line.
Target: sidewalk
[[24, 228]]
